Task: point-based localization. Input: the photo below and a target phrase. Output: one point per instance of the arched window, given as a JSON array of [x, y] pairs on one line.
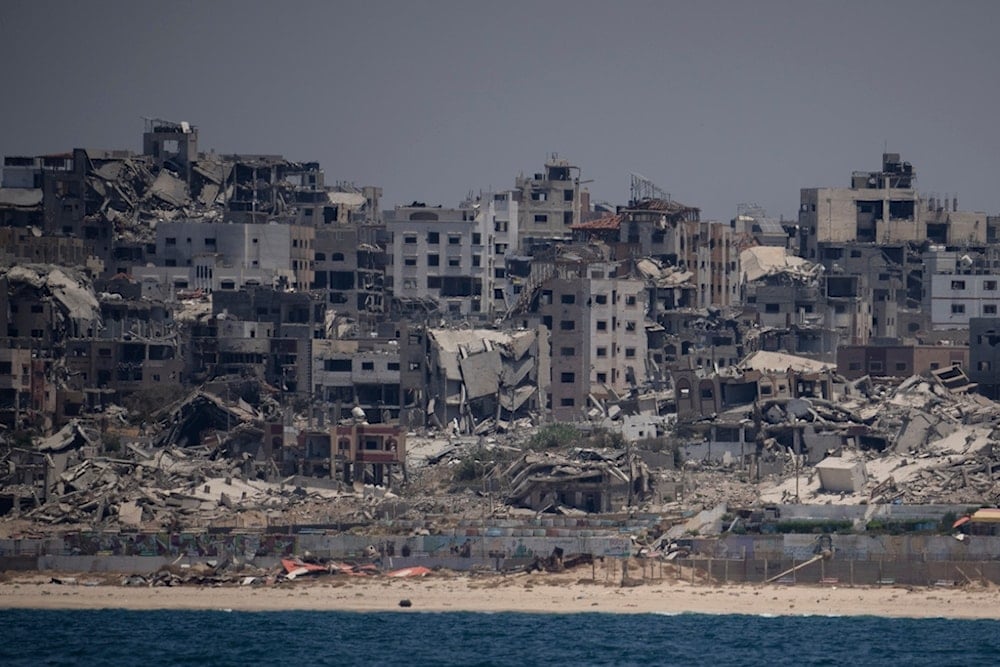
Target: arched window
[[683, 389]]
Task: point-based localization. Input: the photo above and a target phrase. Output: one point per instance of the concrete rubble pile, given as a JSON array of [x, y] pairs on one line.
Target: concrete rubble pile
[[435, 448], [931, 439], [28, 470], [164, 488], [184, 423], [584, 480], [76, 310], [662, 274], [135, 194], [759, 262], [231, 570], [943, 449], [703, 486], [490, 379]]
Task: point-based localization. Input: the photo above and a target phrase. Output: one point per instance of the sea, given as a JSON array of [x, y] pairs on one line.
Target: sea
[[414, 638]]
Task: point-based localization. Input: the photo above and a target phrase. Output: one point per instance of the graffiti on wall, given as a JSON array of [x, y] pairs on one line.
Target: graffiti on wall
[[191, 545]]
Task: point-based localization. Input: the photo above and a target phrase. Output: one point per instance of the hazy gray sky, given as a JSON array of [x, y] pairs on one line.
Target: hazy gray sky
[[717, 102]]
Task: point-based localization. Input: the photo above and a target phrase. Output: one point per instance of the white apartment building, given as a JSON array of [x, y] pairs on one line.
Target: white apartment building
[[598, 339], [219, 255], [959, 287], [454, 256]]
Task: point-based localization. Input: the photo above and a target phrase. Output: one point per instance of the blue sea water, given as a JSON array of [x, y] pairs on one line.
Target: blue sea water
[[166, 638]]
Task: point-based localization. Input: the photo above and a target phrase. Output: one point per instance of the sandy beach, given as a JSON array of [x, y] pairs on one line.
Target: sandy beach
[[541, 593]]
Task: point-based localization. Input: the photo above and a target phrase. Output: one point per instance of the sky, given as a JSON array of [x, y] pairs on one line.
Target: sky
[[718, 103]]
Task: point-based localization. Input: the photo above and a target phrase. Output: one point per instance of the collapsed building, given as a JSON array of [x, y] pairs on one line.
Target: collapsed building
[[585, 480], [270, 444], [785, 292], [595, 310], [43, 309], [483, 378], [769, 402], [647, 313]]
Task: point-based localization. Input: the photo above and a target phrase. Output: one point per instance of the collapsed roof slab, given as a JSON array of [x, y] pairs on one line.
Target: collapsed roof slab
[[760, 261], [514, 373], [169, 189], [775, 361], [481, 374], [512, 401]]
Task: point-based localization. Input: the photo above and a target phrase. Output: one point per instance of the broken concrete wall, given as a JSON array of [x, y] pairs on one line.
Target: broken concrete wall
[[816, 444]]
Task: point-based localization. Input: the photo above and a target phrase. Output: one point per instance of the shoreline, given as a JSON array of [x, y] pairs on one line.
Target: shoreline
[[498, 594]]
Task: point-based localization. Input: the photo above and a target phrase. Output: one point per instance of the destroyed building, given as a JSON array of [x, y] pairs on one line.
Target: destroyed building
[[478, 379], [653, 223], [885, 245], [349, 267], [692, 337], [21, 194], [784, 293], [655, 226], [899, 361], [670, 288], [16, 391], [44, 309], [984, 355], [595, 311], [782, 286], [586, 480], [263, 333], [346, 452], [761, 376], [891, 277], [882, 207], [359, 373], [310, 334], [113, 200]]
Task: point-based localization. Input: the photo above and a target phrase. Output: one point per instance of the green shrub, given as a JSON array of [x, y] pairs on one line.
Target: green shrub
[[555, 435], [468, 470], [477, 462], [808, 526], [901, 527], [602, 437]]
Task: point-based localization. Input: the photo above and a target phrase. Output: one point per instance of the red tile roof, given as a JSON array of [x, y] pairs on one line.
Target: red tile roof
[[607, 222]]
